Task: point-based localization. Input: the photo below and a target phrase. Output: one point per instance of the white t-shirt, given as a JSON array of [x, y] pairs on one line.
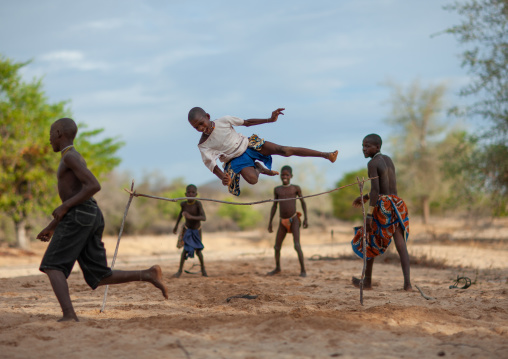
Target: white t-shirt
[[224, 143]]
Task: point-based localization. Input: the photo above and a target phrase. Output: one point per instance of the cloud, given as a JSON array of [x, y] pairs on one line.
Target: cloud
[[72, 59], [105, 24]]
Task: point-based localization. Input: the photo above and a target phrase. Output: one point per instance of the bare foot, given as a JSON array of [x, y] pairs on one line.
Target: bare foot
[[177, 274], [274, 272], [265, 171], [303, 274], [332, 156], [203, 273], [155, 277], [366, 283], [69, 318], [408, 287]]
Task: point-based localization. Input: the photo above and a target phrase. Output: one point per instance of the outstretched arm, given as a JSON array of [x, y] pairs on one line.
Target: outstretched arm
[[256, 121], [304, 207]]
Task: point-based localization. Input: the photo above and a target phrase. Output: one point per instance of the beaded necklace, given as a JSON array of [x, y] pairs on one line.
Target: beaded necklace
[[66, 149]]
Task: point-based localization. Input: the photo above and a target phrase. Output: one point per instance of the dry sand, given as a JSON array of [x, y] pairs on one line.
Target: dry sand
[[315, 317]]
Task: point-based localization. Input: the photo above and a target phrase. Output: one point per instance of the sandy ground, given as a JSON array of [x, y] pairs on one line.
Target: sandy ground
[[315, 317]]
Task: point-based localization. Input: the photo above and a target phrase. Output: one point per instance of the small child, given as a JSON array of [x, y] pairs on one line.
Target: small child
[[240, 153], [190, 237], [289, 218]]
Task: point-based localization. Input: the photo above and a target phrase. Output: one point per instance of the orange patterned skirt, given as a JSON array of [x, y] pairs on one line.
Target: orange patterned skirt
[[390, 213]]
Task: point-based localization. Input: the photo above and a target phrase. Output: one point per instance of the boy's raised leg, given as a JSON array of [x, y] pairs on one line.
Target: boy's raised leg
[[270, 148], [152, 275]]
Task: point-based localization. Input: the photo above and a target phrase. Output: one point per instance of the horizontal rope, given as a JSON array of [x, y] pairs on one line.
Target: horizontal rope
[[135, 194]]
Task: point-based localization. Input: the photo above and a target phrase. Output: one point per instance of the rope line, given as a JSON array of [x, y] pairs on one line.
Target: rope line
[[135, 194]]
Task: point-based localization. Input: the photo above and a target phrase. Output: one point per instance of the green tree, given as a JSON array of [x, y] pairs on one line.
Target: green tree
[[484, 31], [245, 217], [27, 162], [417, 140], [342, 200]]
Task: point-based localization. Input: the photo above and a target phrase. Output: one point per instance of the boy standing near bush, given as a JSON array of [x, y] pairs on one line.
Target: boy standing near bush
[[289, 218], [190, 237], [387, 214]]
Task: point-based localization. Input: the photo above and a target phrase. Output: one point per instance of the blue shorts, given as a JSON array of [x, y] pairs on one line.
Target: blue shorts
[[78, 237], [248, 158]]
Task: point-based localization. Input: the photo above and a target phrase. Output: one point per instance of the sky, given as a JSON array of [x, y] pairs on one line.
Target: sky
[[135, 68]]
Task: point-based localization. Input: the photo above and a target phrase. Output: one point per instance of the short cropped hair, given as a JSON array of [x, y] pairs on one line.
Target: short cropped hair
[[287, 168], [374, 139], [191, 186], [68, 127], [194, 112]]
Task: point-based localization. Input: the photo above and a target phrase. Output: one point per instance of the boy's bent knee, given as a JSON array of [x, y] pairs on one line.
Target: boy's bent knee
[[284, 151], [251, 180]]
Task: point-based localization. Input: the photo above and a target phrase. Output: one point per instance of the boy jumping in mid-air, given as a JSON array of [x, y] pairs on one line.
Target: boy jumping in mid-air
[[289, 217], [387, 214], [238, 152], [77, 226], [190, 237]]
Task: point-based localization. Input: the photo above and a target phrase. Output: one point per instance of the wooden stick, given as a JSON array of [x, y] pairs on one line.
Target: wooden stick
[[118, 241], [423, 294], [364, 238], [135, 194]]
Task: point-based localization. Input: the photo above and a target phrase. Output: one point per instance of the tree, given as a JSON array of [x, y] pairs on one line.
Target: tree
[[245, 217], [484, 31], [27, 162], [417, 138], [342, 200]]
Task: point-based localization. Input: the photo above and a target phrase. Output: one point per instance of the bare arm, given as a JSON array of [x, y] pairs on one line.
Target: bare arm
[[175, 230], [226, 180], [374, 192], [46, 234], [273, 211], [304, 207], [256, 121]]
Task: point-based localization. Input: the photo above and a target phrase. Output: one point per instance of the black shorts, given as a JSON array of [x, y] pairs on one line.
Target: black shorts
[[79, 237]]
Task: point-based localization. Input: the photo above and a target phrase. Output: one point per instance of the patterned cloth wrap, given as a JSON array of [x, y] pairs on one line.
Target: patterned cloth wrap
[[191, 241], [286, 222], [390, 213], [233, 167]]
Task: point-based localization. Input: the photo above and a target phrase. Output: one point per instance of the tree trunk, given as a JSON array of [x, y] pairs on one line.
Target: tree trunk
[[426, 209], [21, 237]]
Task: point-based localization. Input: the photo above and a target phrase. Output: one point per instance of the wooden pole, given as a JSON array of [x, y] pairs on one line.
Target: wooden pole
[[364, 238], [132, 193]]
